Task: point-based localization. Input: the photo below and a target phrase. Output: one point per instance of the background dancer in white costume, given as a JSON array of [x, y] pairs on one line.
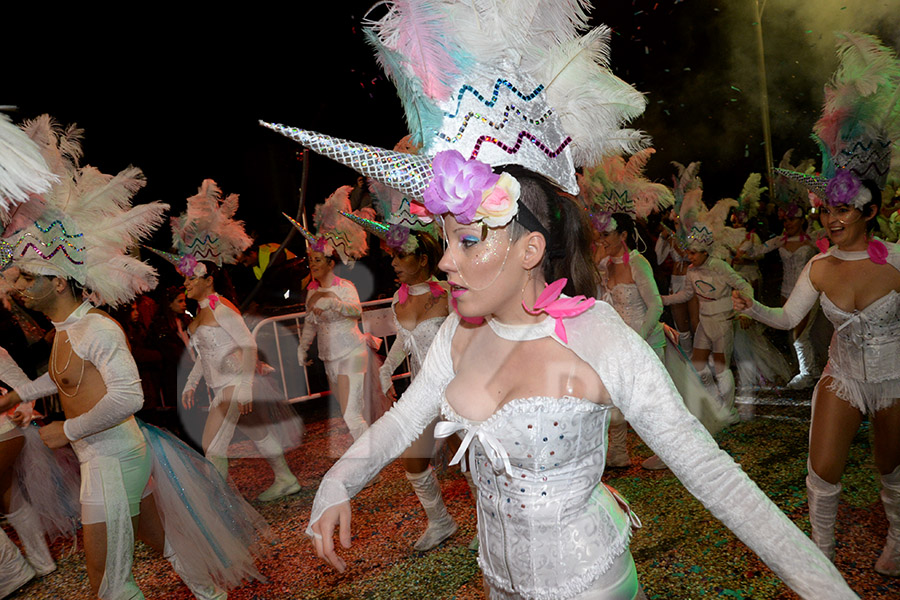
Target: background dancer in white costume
[[206, 237], [795, 247], [333, 312], [419, 307], [25, 463], [76, 241], [38, 489], [530, 386], [711, 280], [857, 282]]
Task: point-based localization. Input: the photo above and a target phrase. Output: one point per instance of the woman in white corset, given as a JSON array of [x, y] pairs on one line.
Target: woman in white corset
[[857, 283], [795, 248], [419, 308], [227, 360], [528, 377]]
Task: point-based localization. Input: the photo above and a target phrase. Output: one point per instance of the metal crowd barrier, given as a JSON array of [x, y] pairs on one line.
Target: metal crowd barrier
[[278, 338]]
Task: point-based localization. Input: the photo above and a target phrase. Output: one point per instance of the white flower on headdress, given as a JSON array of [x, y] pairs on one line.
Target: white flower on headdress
[[501, 203]]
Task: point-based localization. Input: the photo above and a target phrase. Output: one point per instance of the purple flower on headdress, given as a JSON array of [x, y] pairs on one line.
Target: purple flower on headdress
[[458, 185], [397, 236], [602, 222], [842, 188], [319, 244], [186, 265]]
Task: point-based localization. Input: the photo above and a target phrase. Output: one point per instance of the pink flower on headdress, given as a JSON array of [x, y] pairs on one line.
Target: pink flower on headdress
[[842, 188], [458, 185], [320, 244], [419, 211], [602, 222]]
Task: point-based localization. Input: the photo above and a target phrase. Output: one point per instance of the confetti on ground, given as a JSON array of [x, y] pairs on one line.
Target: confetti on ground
[[681, 551]]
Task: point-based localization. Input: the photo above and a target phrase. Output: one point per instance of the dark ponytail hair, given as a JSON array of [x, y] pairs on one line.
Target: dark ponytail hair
[[566, 230], [221, 282], [429, 248], [871, 224]]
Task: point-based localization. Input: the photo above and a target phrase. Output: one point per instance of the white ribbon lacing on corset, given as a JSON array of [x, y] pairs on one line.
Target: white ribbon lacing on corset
[[494, 450]]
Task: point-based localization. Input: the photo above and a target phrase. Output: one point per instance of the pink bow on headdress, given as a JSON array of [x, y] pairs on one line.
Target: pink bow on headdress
[[559, 308]]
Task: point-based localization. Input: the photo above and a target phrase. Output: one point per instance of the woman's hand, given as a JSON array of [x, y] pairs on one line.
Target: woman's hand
[[246, 408], [53, 435], [323, 538], [187, 398], [740, 301]]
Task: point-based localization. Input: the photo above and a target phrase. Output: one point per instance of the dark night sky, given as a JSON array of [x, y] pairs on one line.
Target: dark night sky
[[179, 94]]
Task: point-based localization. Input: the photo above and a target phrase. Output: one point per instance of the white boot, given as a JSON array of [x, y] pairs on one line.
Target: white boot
[[823, 498], [200, 591], [14, 569], [25, 522], [889, 561], [617, 447], [440, 524], [285, 482], [725, 389], [806, 358]]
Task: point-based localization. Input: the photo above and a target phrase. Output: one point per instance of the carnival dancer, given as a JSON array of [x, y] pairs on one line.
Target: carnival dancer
[[531, 383], [795, 247], [205, 238], [137, 481], [743, 216], [670, 246], [712, 280], [857, 282], [38, 489], [37, 494], [418, 308], [334, 310], [616, 193]]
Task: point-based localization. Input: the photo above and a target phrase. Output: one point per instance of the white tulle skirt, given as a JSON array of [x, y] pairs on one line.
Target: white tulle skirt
[[215, 533], [49, 481], [758, 361]]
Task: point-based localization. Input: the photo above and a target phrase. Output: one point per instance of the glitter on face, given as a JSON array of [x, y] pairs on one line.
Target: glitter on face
[[478, 261]]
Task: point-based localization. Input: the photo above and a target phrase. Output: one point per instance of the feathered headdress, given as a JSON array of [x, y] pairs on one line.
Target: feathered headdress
[[791, 195], [685, 184], [207, 231], [706, 228], [747, 205], [486, 84], [860, 122], [617, 185], [337, 234], [87, 223], [23, 170]]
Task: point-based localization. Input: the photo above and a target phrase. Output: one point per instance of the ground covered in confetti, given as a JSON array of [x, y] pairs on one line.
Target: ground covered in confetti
[[681, 551]]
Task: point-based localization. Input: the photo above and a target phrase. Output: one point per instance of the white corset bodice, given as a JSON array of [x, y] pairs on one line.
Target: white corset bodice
[[415, 342], [866, 343], [545, 523], [626, 299], [221, 356], [793, 263]]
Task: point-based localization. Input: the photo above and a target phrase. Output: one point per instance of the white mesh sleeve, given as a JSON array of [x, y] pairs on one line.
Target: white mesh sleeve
[[643, 390], [393, 432], [798, 305], [100, 341]]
